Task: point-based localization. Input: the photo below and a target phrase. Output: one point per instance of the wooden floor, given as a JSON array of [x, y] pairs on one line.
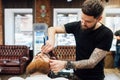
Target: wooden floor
[[110, 74]]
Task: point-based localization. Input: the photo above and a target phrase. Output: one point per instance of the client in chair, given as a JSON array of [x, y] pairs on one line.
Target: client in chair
[[38, 69]]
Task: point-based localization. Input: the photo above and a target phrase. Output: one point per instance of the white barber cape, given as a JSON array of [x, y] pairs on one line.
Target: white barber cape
[[37, 77]]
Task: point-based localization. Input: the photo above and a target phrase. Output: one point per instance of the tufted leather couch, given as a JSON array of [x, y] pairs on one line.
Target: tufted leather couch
[[13, 59], [65, 52]]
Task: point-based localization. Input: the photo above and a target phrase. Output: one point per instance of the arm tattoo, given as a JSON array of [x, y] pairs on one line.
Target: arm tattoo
[[95, 58]]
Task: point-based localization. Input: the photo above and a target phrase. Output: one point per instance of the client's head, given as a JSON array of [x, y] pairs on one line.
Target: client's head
[[40, 63]]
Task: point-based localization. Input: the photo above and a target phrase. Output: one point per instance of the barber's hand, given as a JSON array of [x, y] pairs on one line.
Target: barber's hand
[[57, 65], [49, 46]]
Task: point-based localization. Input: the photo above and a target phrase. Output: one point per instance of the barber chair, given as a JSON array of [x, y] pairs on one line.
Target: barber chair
[[13, 59]]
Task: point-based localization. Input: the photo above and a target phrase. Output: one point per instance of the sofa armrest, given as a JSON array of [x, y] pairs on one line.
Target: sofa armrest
[[23, 63], [24, 59], [8, 63]]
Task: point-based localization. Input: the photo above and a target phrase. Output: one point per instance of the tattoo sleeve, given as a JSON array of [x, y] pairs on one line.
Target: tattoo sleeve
[[95, 58]]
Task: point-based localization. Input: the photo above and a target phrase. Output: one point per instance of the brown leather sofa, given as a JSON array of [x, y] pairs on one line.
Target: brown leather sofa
[[65, 52], [13, 59]]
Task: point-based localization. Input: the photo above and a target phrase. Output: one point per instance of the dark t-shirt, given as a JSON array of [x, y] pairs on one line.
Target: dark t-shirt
[[86, 42], [117, 33]]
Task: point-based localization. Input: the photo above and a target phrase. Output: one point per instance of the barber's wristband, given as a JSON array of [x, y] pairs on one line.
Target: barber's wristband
[[69, 65]]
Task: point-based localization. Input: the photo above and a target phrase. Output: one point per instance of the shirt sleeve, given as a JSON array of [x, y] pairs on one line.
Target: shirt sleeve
[[105, 40], [70, 27]]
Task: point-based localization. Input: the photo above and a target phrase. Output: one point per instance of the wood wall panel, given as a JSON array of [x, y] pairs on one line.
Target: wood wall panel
[[109, 60], [113, 4], [65, 4], [1, 24], [17, 3], [38, 17]]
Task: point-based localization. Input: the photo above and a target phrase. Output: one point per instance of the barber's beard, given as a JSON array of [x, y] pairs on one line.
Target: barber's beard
[[88, 29]]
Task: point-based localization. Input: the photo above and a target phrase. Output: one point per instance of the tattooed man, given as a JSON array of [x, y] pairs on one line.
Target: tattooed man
[[93, 41]]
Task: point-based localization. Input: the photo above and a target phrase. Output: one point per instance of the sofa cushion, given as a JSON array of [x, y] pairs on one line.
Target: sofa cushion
[[12, 63], [8, 63]]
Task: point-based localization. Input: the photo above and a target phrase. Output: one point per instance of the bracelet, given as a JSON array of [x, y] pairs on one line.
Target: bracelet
[[69, 65]]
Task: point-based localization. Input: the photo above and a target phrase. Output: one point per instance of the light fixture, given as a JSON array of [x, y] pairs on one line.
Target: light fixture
[[69, 0]]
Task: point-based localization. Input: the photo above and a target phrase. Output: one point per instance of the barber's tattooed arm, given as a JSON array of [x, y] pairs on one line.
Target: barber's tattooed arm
[[95, 58]]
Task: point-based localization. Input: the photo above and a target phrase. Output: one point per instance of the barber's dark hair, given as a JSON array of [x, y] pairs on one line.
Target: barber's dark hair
[[93, 8]]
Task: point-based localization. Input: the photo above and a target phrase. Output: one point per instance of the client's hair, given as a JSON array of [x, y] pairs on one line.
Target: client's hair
[[38, 66]]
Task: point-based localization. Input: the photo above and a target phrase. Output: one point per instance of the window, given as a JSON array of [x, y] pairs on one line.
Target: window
[[63, 16], [18, 27]]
